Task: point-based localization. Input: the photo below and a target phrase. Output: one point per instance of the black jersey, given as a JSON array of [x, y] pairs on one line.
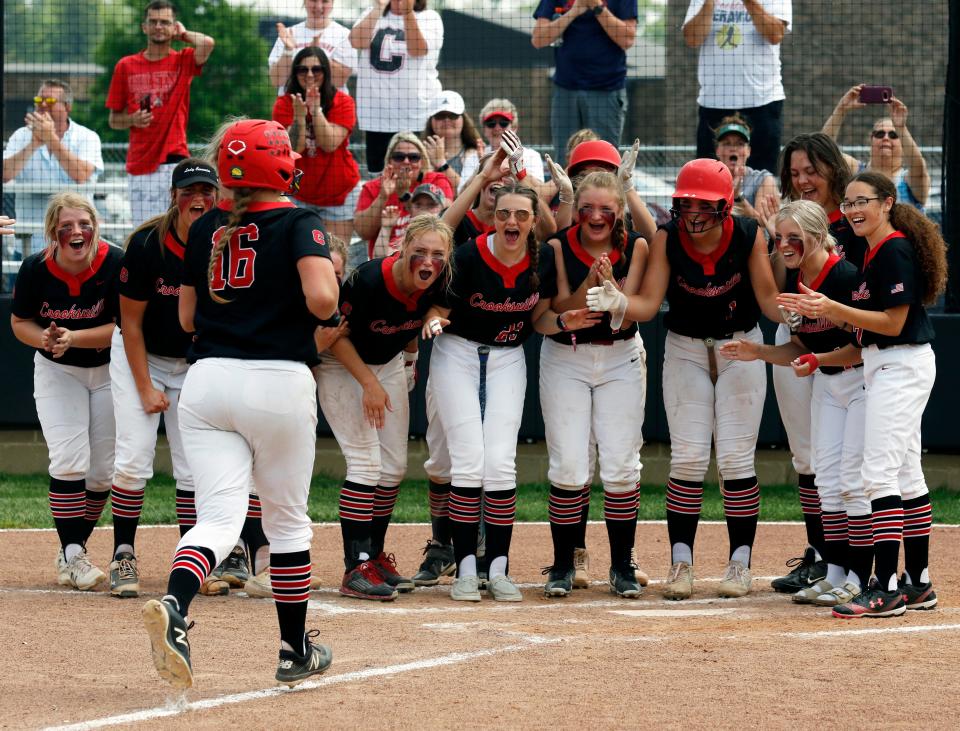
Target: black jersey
[[382, 319], [892, 276], [151, 273], [266, 317], [490, 302], [711, 295], [469, 228], [46, 293], [836, 280], [577, 262], [849, 246]]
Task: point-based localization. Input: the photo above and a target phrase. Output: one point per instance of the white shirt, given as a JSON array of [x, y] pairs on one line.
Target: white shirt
[[395, 90], [334, 41], [738, 68], [531, 161]]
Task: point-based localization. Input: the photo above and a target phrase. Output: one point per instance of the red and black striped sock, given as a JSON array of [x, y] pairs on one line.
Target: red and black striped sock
[[887, 535], [860, 550], [440, 512], [917, 519], [126, 505], [191, 566], [620, 514], [810, 507], [95, 503], [356, 514], [835, 539], [186, 510], [67, 506], [684, 500], [290, 579], [741, 507], [464, 520], [252, 532], [565, 513], [580, 540], [499, 512], [384, 500]]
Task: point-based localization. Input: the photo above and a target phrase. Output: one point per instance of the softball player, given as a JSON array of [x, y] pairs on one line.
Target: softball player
[[478, 378], [904, 268], [807, 249], [592, 384], [713, 269], [363, 390], [65, 305], [257, 275]]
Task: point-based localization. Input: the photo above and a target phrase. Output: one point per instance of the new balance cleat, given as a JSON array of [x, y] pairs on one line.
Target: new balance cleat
[[438, 561], [124, 576], [168, 641], [366, 582], [293, 668], [872, 602]]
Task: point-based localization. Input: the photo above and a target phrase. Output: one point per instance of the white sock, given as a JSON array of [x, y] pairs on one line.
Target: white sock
[[681, 552], [741, 554], [498, 567], [835, 574], [924, 577], [72, 550], [262, 560], [123, 548], [816, 553], [242, 545], [363, 556], [892, 584], [852, 578], [468, 566]]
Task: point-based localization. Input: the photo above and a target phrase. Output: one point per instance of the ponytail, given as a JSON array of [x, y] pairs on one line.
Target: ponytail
[[241, 199]]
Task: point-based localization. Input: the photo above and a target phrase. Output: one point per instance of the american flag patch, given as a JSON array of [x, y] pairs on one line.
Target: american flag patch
[[897, 288]]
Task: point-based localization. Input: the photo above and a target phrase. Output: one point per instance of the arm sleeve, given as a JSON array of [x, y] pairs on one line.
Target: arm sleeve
[[308, 237], [343, 111], [134, 279], [547, 270], [25, 304], [368, 193], [545, 9], [194, 260], [898, 275]]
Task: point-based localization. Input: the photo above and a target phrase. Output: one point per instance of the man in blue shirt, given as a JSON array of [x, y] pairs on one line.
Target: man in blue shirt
[[591, 65]]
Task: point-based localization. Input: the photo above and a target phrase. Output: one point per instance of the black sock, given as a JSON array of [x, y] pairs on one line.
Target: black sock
[[126, 505], [565, 514], [95, 502], [741, 507], [860, 550], [439, 512], [684, 500], [290, 579], [887, 534], [67, 506], [580, 539], [186, 510], [356, 514], [499, 512], [835, 539], [917, 518], [252, 532], [384, 500], [810, 506], [620, 514], [191, 566], [464, 521]]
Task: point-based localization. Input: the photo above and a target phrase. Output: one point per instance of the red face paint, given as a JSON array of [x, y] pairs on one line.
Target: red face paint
[[436, 263], [586, 214], [186, 196], [66, 234]]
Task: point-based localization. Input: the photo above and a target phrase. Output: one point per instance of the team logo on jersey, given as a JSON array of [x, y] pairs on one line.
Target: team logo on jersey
[[861, 293], [236, 147], [346, 308], [124, 274], [897, 288], [318, 237]]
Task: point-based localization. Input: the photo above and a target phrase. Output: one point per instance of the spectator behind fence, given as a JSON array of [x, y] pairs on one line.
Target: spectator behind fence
[[319, 119], [319, 30], [497, 116], [150, 95], [399, 43], [50, 148], [893, 151], [403, 174], [589, 81], [451, 138], [739, 69], [732, 147]]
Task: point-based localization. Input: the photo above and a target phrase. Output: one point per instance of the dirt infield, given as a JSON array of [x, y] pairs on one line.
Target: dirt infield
[[425, 661]]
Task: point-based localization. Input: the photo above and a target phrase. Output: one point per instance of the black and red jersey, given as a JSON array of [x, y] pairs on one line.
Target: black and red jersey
[[849, 246], [151, 272], [382, 319], [711, 295], [469, 228], [490, 302], [577, 262], [266, 317], [46, 293], [892, 276], [836, 280]]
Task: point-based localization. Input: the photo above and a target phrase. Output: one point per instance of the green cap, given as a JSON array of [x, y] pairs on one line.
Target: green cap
[[728, 128]]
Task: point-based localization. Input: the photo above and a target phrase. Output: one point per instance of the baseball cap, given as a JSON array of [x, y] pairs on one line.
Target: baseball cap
[[728, 128], [430, 190], [448, 101], [190, 171], [498, 113]]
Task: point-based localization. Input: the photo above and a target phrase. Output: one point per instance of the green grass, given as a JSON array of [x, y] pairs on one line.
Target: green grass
[[23, 502]]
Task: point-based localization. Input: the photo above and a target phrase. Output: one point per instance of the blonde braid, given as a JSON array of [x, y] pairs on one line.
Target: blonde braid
[[241, 199]]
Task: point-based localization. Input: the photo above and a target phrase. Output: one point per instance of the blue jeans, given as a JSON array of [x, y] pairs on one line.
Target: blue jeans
[[573, 109], [767, 124]]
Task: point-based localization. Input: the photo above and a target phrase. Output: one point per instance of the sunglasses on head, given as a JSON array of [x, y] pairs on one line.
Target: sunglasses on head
[[879, 134], [48, 100], [406, 157], [497, 122], [302, 70], [503, 214]]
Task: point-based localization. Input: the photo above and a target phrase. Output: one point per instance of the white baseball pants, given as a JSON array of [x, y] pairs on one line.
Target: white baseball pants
[[794, 396], [839, 413]]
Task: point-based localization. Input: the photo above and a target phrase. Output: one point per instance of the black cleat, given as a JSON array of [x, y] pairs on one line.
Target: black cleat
[[168, 641], [806, 572], [623, 582], [438, 561], [559, 581], [918, 597], [294, 668]]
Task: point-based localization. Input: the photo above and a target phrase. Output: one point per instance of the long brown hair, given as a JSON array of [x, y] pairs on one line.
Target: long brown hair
[[533, 246], [826, 159], [919, 230], [607, 181], [241, 200], [468, 133]]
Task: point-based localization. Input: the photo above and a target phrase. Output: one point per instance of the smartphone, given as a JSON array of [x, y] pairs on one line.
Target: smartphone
[[145, 103], [876, 94]]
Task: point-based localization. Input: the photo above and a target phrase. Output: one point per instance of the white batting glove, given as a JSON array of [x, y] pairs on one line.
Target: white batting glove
[[513, 148], [627, 165], [793, 319], [608, 299], [562, 180], [410, 369]]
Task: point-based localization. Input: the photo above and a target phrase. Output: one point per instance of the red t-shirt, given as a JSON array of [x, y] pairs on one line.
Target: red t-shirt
[[328, 177], [167, 83], [371, 190]]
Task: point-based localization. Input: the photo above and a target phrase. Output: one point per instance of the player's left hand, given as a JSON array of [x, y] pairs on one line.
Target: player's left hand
[[805, 365], [62, 343], [608, 299], [376, 403], [427, 331], [513, 148], [808, 302], [559, 176], [605, 270], [628, 164], [740, 350], [579, 319], [324, 337]]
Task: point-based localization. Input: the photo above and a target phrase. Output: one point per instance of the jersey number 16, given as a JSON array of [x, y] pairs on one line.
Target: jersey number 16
[[237, 270]]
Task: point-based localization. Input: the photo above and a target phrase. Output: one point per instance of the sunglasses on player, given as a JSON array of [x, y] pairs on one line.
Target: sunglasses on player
[[503, 214]]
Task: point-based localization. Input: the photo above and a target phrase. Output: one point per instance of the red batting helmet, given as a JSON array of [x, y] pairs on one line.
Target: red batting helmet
[[255, 153], [593, 151], [706, 180]]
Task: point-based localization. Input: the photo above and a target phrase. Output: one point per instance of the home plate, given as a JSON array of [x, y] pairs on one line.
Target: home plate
[[641, 613]]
